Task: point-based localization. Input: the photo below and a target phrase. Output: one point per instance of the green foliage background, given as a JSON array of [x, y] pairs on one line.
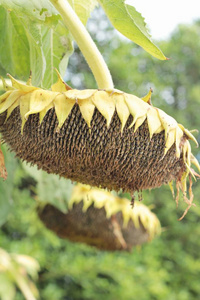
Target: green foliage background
[[169, 266]]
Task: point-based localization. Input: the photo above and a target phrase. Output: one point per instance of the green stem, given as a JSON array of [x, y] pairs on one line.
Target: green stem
[[85, 43]]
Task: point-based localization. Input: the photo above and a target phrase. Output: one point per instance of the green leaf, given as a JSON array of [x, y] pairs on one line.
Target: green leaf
[[57, 48], [34, 10], [131, 24], [33, 38], [36, 61], [6, 187], [7, 287], [50, 188], [83, 8], [14, 45]]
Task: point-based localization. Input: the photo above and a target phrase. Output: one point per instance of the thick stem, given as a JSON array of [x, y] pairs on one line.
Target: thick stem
[[85, 43]]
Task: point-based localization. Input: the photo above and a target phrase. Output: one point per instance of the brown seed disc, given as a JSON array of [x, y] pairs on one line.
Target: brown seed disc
[[93, 228], [101, 156]]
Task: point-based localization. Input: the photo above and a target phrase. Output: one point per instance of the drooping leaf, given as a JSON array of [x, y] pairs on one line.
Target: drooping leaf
[[131, 24], [83, 8]]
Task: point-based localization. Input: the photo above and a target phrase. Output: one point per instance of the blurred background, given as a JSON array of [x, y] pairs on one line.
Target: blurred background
[[169, 266]]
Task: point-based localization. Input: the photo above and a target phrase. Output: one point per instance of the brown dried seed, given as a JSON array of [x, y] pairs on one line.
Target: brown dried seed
[[102, 156]]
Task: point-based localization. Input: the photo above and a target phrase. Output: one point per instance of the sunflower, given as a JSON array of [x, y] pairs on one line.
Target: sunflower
[[104, 138], [99, 219]]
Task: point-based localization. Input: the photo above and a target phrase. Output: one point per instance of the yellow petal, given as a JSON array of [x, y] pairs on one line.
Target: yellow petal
[[184, 149], [136, 215], [11, 108], [188, 134], [195, 162], [77, 94], [139, 122], [63, 107], [21, 86], [127, 213], [13, 96], [6, 86], [5, 96], [147, 98], [171, 139], [122, 109], [167, 121], [159, 129], [179, 135], [136, 106], [105, 105], [24, 108], [112, 91], [87, 110], [87, 202], [44, 111], [60, 85], [39, 99], [187, 154], [153, 121]]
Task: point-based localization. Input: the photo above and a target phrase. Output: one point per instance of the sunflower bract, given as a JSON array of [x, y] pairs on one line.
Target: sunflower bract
[[103, 138]]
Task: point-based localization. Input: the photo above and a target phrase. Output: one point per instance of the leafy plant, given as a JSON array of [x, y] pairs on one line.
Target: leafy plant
[[81, 272], [34, 37], [15, 270], [62, 102]]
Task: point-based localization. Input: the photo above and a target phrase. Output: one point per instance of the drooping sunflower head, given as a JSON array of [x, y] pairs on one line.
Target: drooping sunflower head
[[103, 138], [98, 218]]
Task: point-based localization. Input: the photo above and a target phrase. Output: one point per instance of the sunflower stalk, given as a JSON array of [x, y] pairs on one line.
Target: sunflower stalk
[[86, 44]]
